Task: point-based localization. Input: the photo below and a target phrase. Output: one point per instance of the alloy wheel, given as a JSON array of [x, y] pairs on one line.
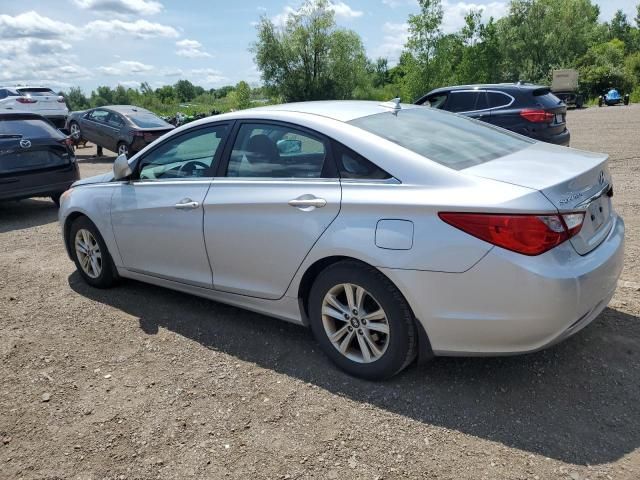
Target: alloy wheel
[[355, 323], [75, 131], [123, 150], [88, 253]]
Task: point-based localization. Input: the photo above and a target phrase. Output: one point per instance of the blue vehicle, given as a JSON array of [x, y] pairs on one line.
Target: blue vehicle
[[613, 97]]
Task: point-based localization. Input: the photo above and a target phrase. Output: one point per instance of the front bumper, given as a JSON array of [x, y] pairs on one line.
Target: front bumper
[[510, 303]]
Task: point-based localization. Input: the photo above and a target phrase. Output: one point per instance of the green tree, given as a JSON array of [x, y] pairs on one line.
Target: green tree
[[309, 58], [184, 90], [166, 94], [120, 96], [242, 96], [603, 67], [76, 99]]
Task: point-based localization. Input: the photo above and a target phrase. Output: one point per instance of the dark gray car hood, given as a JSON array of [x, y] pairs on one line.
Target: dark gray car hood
[[102, 178]]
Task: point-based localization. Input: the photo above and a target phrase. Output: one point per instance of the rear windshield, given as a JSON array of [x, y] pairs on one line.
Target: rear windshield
[[36, 92], [451, 140], [545, 98], [28, 128], [148, 120]]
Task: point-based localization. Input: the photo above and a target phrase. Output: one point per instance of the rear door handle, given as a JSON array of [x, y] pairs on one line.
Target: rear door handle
[[187, 204], [307, 201]]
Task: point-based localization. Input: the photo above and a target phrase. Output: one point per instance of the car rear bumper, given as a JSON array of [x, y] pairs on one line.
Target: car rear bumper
[[563, 139], [510, 303]]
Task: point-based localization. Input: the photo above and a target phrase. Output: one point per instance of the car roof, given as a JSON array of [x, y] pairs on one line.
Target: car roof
[[128, 109], [9, 114], [341, 110], [496, 86]]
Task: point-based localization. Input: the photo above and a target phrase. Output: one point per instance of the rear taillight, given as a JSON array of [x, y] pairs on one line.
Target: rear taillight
[[536, 115], [525, 234], [68, 141], [26, 100]]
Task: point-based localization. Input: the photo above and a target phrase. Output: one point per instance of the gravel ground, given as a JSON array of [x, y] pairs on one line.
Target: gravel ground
[[142, 382]]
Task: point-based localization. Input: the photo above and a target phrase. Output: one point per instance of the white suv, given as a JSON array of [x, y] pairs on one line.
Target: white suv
[[40, 100]]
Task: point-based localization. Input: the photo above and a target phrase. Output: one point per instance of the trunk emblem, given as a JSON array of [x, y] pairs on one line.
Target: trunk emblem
[[25, 143]]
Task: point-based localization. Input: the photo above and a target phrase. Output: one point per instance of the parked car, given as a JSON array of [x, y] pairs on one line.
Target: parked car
[[613, 97], [36, 159], [529, 110], [124, 129], [392, 230], [40, 100]]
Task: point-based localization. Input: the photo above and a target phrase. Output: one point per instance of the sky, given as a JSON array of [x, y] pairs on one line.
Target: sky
[[87, 43]]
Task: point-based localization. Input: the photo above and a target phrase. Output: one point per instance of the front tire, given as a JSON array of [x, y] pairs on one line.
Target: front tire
[[75, 132], [90, 254], [362, 321]]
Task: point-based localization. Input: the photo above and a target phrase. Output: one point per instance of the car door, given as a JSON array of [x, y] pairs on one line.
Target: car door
[[157, 216], [115, 123], [275, 195], [93, 125]]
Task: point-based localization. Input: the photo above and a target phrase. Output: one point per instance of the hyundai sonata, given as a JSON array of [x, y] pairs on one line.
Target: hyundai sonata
[[394, 231]]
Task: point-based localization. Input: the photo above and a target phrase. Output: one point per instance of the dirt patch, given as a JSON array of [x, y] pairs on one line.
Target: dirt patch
[[141, 382]]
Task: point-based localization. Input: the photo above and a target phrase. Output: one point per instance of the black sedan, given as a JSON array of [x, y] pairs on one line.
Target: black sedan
[[527, 109], [124, 129], [36, 159]]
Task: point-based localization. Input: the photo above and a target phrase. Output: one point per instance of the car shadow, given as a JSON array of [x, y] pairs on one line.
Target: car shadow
[[28, 213], [577, 402]]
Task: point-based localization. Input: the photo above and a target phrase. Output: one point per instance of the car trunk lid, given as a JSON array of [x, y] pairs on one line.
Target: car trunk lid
[[46, 101], [572, 180]]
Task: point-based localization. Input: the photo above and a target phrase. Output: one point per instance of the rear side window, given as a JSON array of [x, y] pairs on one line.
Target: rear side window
[[467, 101], [453, 141], [276, 151], [354, 166], [36, 92], [545, 98], [498, 100], [29, 128]]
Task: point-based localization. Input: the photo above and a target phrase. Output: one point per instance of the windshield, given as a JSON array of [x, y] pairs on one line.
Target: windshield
[[148, 120], [29, 128], [451, 140]]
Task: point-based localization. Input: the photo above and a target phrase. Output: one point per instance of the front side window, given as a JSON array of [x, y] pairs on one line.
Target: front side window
[[276, 151], [99, 116], [437, 101], [451, 140], [190, 155]]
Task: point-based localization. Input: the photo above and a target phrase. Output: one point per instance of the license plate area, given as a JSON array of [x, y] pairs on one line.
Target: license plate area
[[559, 118], [598, 211]]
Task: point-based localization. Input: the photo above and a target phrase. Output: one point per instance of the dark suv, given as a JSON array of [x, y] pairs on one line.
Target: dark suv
[[36, 159], [522, 108]]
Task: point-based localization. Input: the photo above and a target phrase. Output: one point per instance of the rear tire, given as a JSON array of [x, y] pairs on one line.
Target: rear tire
[[124, 149], [90, 254], [371, 324]]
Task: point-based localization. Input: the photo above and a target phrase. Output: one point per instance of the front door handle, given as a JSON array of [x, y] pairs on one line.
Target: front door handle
[[187, 204], [307, 202]]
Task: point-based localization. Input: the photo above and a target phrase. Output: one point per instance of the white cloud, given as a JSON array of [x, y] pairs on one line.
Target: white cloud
[[341, 10], [399, 3], [394, 37], [125, 67], [126, 7], [190, 49], [33, 25], [130, 83], [454, 13], [139, 28], [207, 77]]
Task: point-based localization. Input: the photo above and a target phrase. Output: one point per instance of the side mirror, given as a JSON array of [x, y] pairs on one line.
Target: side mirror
[[121, 168], [289, 146]]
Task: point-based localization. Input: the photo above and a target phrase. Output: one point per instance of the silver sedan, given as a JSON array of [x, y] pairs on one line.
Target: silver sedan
[[394, 231]]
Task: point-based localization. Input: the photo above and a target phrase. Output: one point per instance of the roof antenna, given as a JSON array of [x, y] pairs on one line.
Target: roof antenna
[[393, 104]]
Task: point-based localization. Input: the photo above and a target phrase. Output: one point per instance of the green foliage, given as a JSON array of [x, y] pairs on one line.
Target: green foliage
[[602, 68], [309, 58]]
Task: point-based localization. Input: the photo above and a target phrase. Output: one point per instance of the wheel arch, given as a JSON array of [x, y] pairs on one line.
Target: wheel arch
[[66, 229], [425, 351]]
